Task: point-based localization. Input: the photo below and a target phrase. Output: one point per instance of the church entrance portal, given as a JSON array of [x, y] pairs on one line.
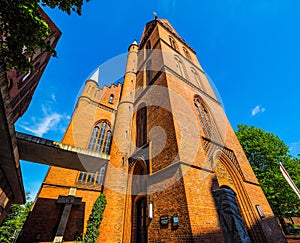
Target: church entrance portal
[[230, 218]]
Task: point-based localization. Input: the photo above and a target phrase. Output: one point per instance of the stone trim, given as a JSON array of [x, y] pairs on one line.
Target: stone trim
[[97, 104]]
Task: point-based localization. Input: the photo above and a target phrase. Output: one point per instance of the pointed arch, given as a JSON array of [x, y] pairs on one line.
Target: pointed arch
[[207, 122], [100, 141], [101, 137], [139, 183], [249, 214]]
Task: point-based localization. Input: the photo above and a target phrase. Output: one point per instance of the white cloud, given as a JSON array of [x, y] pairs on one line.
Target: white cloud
[[53, 97], [50, 121], [257, 109]]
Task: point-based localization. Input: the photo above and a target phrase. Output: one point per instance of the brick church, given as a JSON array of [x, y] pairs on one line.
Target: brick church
[[175, 170]]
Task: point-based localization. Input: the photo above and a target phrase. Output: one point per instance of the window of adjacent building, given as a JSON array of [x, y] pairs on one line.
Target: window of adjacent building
[[173, 43], [205, 119], [197, 78], [148, 48], [148, 72], [111, 98], [180, 68], [141, 126], [26, 76]]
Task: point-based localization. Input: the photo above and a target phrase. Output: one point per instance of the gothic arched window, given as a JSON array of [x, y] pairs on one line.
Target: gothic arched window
[[141, 126], [148, 72], [180, 67], [101, 138], [100, 142], [205, 119]]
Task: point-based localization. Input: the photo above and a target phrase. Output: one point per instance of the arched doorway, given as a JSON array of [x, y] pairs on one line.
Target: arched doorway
[[231, 177], [139, 232], [141, 220], [230, 218]]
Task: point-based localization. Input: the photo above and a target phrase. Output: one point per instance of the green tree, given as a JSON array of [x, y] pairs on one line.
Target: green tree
[[22, 30], [95, 219], [264, 151], [14, 221]]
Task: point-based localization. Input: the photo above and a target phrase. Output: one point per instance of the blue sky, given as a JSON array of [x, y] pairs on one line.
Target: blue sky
[[250, 49]]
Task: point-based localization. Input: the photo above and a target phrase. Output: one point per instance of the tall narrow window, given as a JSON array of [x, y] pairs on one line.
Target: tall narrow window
[[180, 67], [205, 120], [148, 72], [141, 126], [172, 43], [148, 48], [111, 98], [106, 146]]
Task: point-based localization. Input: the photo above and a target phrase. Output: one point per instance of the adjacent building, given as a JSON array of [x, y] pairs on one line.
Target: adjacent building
[[16, 92], [22, 85], [176, 173]]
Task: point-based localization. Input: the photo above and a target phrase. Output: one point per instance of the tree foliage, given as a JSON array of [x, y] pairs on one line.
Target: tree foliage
[[14, 221], [95, 219], [23, 31], [264, 151]]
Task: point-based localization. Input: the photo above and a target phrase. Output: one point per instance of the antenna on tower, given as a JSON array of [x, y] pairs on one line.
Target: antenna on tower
[[155, 15]]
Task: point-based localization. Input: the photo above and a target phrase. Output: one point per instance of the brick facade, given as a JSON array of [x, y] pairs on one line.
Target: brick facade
[[166, 152]]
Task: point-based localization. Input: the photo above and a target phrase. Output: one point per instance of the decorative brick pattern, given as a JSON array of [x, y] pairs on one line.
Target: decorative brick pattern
[[183, 169]]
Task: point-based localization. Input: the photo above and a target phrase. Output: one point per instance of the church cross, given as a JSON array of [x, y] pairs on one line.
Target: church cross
[[69, 201]]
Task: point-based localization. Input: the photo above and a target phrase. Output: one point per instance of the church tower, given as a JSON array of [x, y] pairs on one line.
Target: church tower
[[176, 171]]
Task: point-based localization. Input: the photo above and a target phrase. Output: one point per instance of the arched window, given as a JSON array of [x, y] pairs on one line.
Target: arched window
[[148, 48], [180, 67], [197, 78], [148, 72], [141, 126], [172, 43], [111, 98], [100, 142], [186, 53], [205, 119], [101, 138]]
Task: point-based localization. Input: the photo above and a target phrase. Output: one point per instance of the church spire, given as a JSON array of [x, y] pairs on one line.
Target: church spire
[[95, 75]]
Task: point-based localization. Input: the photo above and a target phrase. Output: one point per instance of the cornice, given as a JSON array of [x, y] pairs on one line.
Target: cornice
[[97, 104]]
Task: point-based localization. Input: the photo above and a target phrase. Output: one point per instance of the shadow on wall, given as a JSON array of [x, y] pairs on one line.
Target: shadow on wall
[[37, 229]]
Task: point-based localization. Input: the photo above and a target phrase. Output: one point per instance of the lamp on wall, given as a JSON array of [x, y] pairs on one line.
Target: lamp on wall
[[150, 210]]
